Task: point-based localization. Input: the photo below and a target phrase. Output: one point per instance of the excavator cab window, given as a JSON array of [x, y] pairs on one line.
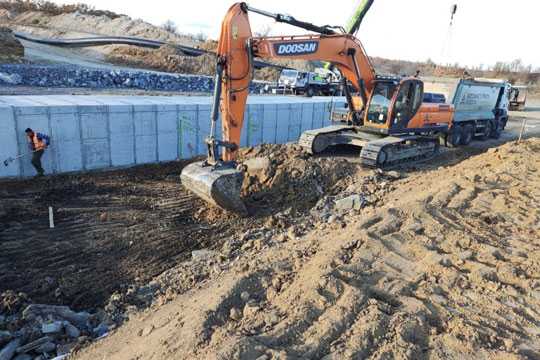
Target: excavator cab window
[[380, 102], [407, 102]]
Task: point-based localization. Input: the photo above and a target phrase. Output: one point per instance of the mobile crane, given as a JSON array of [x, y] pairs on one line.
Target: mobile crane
[[386, 118]]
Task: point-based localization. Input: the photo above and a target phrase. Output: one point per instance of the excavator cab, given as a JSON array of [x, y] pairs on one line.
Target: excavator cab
[[391, 107], [407, 102]]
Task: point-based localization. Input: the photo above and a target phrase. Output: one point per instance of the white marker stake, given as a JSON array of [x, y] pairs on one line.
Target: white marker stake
[[51, 218], [523, 125]]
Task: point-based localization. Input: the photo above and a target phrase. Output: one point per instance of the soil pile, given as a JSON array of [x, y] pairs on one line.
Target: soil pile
[[444, 267], [281, 176], [78, 24], [11, 49]]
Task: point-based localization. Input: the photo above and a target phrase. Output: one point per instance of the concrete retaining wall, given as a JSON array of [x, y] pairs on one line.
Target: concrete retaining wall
[[99, 132]]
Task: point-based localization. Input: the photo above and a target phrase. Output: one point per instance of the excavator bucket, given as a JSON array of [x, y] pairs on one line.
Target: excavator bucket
[[218, 186]]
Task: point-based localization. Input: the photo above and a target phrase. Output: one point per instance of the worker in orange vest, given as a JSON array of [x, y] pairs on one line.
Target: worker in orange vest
[[38, 144]]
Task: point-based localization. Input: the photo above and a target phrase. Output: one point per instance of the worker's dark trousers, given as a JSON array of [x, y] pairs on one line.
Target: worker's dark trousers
[[36, 161]]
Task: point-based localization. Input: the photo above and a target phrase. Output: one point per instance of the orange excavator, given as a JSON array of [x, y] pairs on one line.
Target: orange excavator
[[384, 116]]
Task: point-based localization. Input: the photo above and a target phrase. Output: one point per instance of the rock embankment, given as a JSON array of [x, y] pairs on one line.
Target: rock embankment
[[80, 77]]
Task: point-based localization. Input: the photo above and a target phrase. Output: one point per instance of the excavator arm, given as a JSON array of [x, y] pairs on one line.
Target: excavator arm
[[237, 49]]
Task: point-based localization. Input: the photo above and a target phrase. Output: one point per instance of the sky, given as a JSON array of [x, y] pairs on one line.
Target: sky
[[484, 31]]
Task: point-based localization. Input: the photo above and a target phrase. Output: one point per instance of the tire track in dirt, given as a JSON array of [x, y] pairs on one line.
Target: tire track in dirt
[[449, 271], [108, 233]]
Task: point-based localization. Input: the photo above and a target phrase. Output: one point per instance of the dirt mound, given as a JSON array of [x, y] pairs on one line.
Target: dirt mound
[[445, 267], [11, 49], [79, 24], [280, 176]]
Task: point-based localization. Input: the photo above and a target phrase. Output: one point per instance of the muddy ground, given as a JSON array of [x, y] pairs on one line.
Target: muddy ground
[[445, 266], [126, 227]]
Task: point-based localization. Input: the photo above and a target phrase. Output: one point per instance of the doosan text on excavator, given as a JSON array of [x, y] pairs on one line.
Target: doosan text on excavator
[[384, 115]]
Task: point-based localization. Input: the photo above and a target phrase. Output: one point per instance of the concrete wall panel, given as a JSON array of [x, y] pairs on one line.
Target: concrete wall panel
[[269, 123], [307, 117], [96, 154], [295, 122], [188, 129], [8, 144], [65, 132], [122, 135], [283, 125], [203, 129], [255, 124], [146, 149], [96, 132], [167, 127]]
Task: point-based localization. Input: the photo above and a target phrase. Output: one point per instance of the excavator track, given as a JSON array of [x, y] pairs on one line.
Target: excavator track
[[317, 140], [393, 151]]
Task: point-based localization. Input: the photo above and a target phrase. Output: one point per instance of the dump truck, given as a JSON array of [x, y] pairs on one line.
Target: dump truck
[[480, 107], [308, 83]]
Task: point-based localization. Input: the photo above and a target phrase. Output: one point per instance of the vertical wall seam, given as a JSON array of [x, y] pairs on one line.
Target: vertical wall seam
[[134, 132], [276, 123], [248, 126], [289, 119], [197, 130], [81, 142], [19, 149], [313, 117], [261, 123], [109, 140], [156, 128], [54, 160], [179, 137]]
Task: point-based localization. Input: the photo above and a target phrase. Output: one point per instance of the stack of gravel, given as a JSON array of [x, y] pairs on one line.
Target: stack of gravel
[[71, 76]]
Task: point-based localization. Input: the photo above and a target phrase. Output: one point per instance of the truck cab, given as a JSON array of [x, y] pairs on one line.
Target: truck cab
[[306, 83]]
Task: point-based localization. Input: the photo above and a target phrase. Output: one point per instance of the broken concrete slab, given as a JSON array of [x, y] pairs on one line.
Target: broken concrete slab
[[203, 255], [9, 350], [5, 337], [353, 202], [34, 311], [46, 347], [71, 330], [33, 345], [23, 357], [54, 327]]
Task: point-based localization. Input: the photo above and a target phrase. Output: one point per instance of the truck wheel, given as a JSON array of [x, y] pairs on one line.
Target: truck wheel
[[468, 134], [488, 129], [310, 92], [455, 135]]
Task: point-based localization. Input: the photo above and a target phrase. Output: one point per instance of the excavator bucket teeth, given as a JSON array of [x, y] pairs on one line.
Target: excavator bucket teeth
[[218, 186]]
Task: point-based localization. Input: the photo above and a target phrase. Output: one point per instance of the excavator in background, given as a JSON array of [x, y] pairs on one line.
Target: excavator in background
[[385, 115]]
